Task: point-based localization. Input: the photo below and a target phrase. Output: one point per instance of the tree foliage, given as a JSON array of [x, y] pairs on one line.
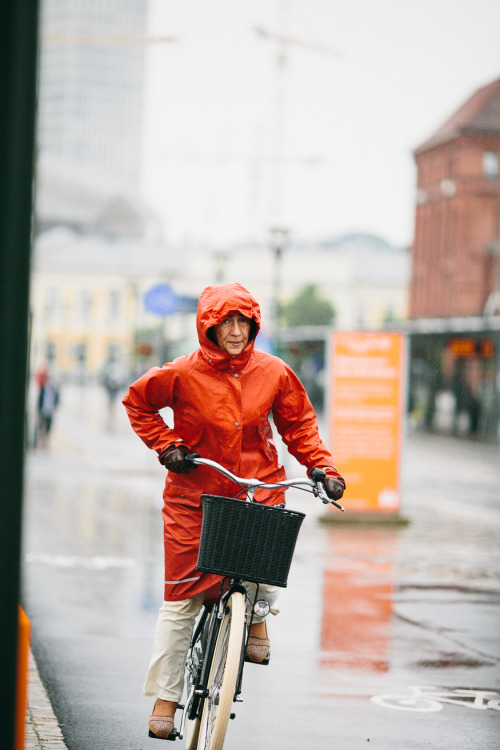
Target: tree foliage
[[308, 309]]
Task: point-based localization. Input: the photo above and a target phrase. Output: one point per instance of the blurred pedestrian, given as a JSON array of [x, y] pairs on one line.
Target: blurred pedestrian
[[48, 401], [113, 379]]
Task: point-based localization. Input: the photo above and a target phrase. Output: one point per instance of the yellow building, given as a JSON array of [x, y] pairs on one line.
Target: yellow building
[[96, 253]]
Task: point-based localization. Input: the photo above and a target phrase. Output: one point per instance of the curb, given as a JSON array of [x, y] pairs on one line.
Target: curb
[[42, 728]]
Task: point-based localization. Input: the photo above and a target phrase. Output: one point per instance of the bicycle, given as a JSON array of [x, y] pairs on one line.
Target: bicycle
[[262, 553]]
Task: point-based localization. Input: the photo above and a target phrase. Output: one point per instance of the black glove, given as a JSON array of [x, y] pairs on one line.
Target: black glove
[[334, 488], [174, 460]]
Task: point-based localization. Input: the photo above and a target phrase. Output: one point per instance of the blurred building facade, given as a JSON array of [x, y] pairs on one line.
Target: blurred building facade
[[92, 84], [85, 317], [90, 283], [96, 244], [363, 276], [455, 284], [456, 250]]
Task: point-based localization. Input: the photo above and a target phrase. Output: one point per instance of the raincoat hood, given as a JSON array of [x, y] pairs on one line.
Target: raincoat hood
[[214, 305]]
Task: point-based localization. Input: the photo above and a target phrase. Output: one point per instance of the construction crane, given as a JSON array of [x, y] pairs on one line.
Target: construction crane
[[284, 42], [279, 233], [293, 41]]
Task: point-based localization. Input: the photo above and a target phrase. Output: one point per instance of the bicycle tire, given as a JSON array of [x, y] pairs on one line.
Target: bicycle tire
[[223, 675], [192, 733], [194, 665]]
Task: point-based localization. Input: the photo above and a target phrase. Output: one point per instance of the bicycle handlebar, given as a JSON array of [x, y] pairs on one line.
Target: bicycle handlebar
[[316, 482]]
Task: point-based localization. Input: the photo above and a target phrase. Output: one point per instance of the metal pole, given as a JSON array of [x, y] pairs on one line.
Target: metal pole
[[278, 239], [18, 75]]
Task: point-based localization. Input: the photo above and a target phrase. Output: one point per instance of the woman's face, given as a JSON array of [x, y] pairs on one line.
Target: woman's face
[[233, 333]]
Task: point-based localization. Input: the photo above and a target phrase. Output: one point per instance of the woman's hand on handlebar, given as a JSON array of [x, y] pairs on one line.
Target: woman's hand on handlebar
[[334, 488], [174, 460]]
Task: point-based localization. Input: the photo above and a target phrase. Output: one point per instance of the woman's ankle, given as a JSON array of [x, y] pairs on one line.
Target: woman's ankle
[[164, 708], [259, 630]]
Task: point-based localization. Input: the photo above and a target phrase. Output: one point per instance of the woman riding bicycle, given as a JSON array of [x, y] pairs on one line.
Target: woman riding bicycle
[[221, 396]]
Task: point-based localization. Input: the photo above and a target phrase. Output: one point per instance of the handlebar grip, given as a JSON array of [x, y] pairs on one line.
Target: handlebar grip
[[318, 475], [188, 460]]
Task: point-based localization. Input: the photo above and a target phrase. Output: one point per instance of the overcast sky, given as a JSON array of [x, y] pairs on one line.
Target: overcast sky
[[235, 143]]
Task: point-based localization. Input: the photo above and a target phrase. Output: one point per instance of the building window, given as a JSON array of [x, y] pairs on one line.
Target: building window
[[81, 353], [51, 351], [52, 303], [84, 305], [490, 165]]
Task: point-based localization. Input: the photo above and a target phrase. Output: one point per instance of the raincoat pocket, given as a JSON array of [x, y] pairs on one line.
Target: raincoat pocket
[[179, 494]]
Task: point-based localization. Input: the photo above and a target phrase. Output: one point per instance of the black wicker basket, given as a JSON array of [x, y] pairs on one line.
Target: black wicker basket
[[246, 540]]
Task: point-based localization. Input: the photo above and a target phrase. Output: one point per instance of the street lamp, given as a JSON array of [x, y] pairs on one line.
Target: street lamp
[[278, 240]]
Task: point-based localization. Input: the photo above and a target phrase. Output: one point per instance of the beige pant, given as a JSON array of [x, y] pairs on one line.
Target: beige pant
[[165, 677]]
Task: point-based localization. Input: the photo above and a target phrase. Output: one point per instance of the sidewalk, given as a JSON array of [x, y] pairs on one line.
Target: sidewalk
[[42, 728]]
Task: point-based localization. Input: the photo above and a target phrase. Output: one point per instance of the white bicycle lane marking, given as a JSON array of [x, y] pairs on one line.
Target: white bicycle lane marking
[[428, 698]]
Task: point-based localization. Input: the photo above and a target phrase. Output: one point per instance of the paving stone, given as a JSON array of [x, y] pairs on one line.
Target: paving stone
[[42, 728]]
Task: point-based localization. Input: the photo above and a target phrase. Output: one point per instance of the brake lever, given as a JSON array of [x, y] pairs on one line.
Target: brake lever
[[334, 502], [318, 476], [321, 493]]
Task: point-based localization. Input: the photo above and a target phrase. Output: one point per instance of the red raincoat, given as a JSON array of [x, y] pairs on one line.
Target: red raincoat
[[221, 406]]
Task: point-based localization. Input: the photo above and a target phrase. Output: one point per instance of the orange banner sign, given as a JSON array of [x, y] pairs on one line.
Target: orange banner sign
[[367, 384]]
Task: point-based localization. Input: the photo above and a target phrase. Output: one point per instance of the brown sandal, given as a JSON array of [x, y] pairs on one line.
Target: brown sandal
[[258, 648], [161, 726]]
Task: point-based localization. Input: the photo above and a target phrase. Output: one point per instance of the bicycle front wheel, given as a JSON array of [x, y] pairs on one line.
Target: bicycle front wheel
[[223, 675]]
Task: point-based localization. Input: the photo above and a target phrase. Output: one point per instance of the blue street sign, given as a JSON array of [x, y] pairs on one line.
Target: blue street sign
[[161, 300]]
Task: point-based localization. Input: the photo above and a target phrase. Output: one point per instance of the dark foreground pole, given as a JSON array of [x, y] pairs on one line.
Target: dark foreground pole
[[18, 75]]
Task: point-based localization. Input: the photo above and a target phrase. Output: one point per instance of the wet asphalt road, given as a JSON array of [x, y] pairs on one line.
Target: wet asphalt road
[[369, 613]]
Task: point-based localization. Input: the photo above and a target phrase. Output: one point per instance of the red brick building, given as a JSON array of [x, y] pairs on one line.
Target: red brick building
[[454, 325], [456, 250]]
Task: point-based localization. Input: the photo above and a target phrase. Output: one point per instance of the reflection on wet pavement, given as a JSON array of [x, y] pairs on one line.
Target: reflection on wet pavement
[[358, 599]]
